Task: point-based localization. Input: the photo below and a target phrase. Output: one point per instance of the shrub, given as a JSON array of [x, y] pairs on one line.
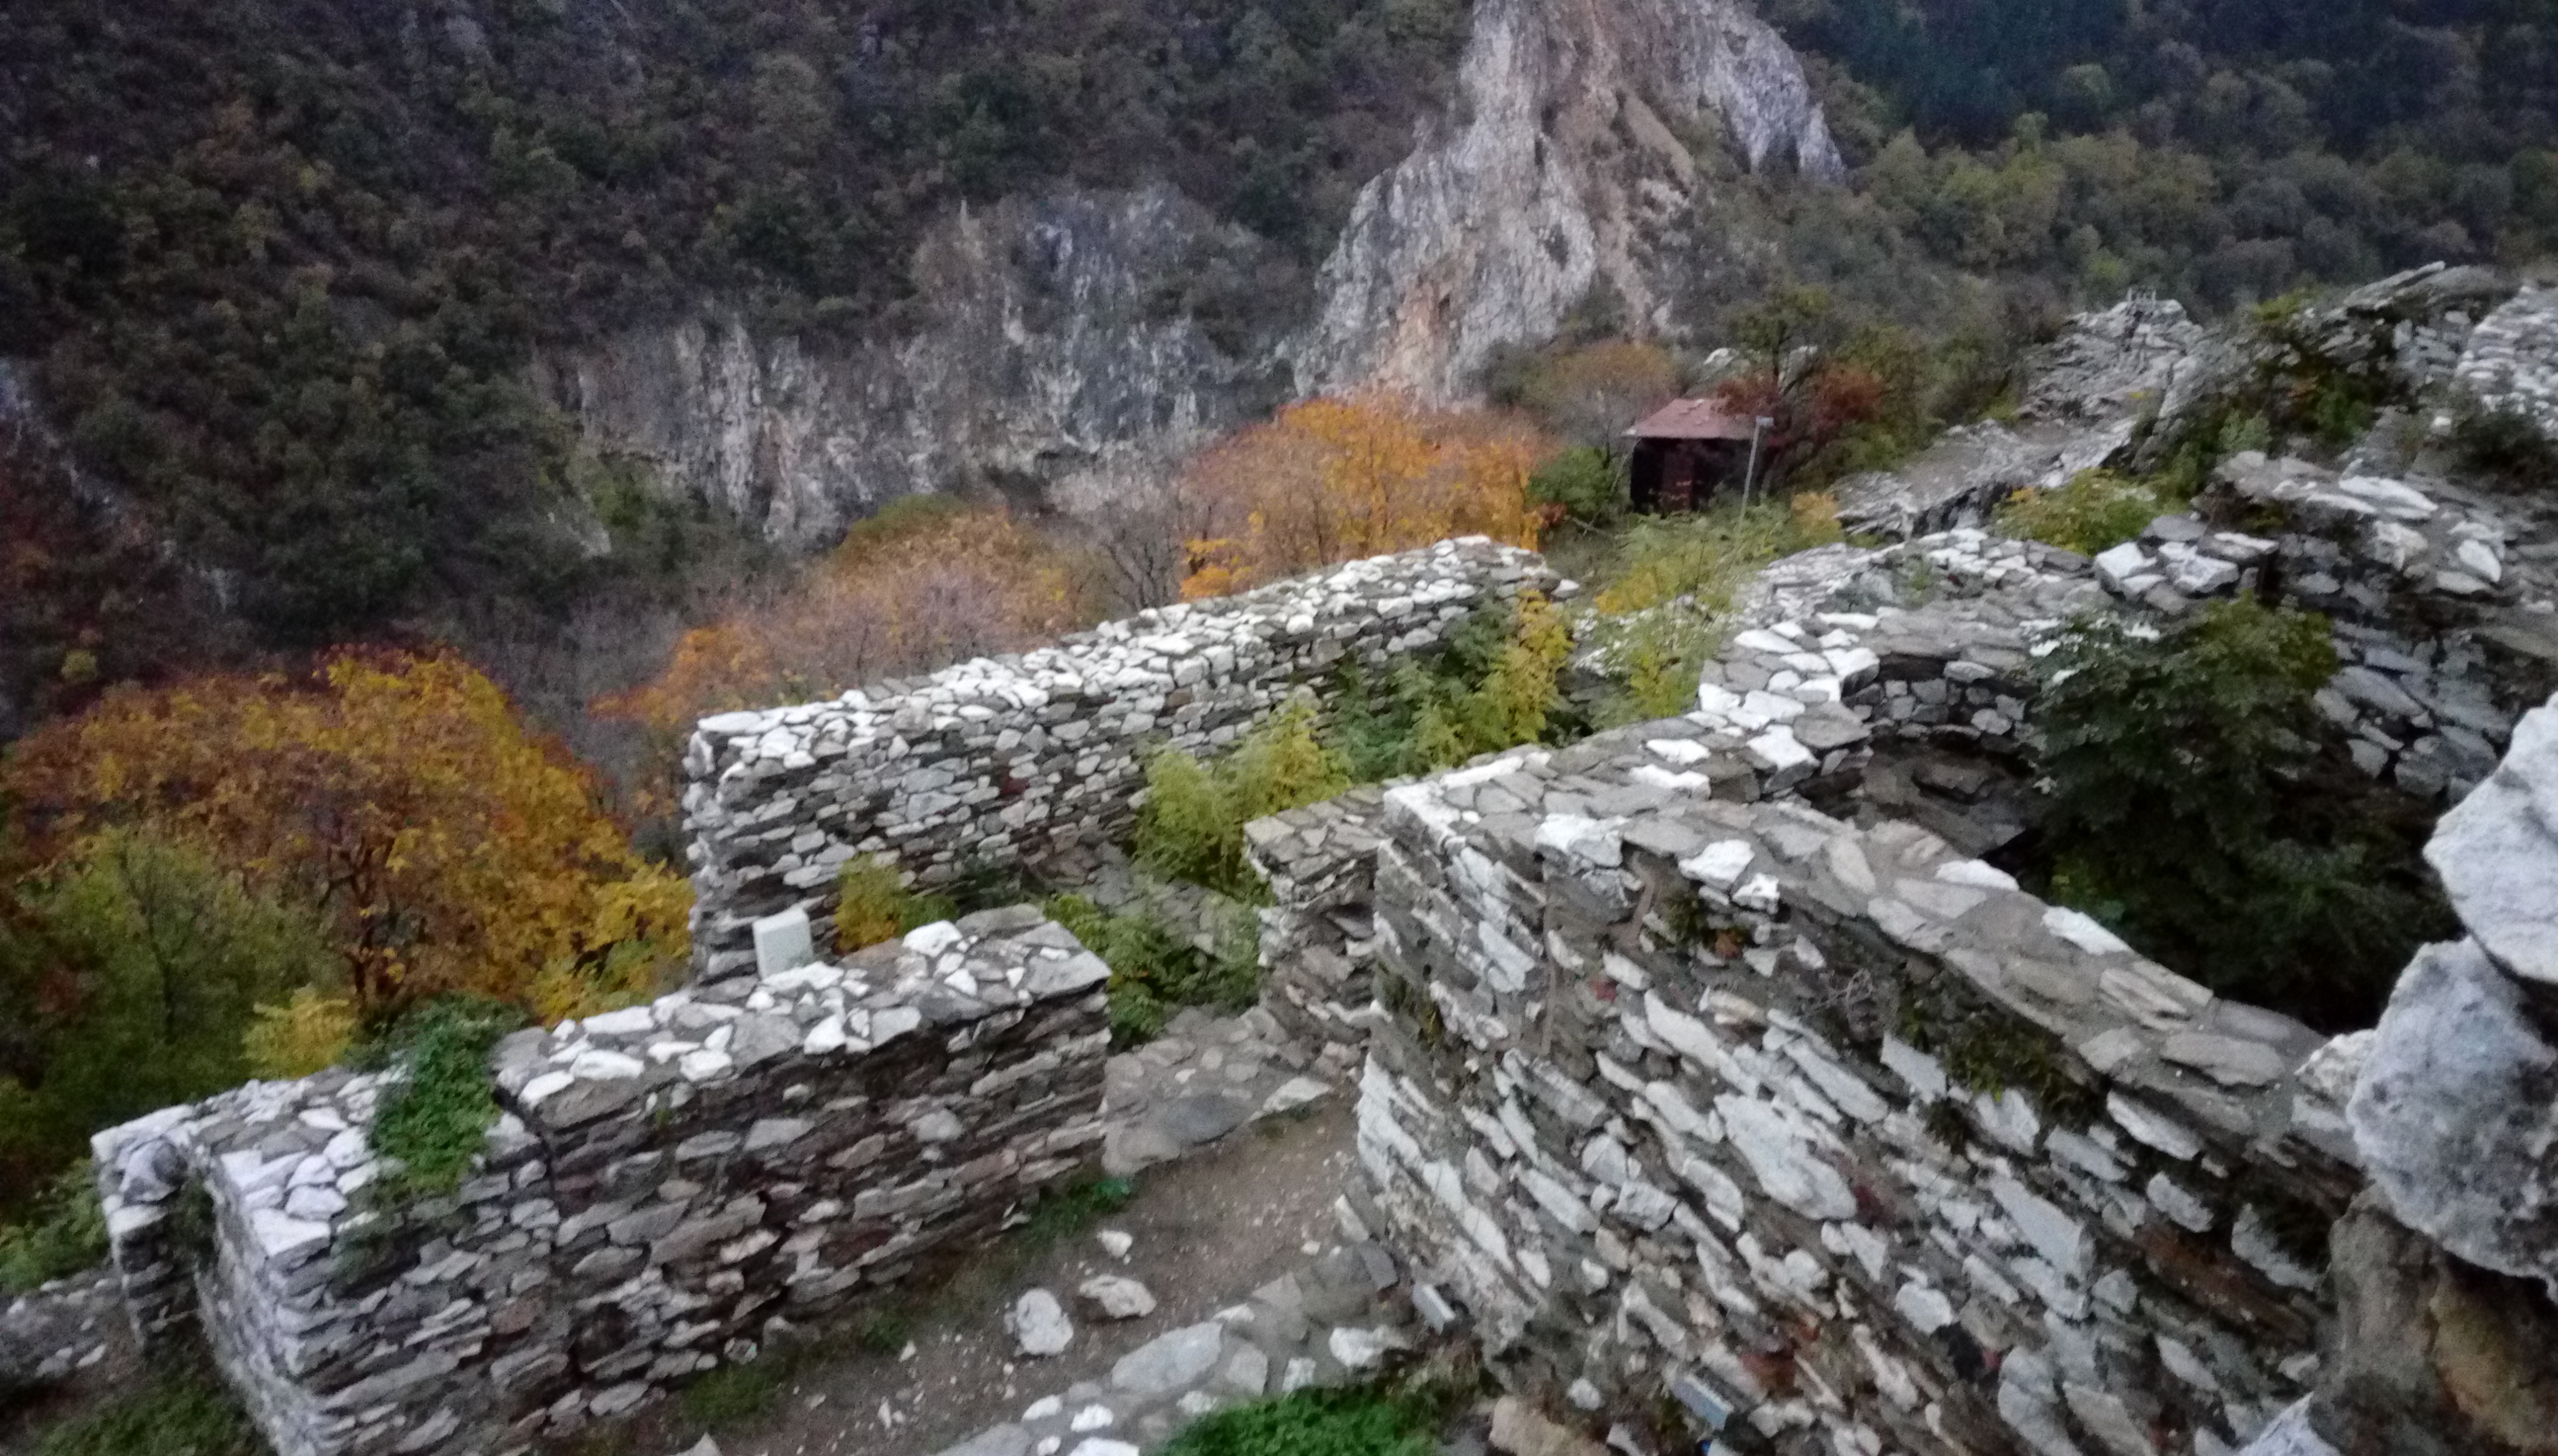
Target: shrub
[[2192, 807], [305, 1035], [2096, 511], [65, 1234], [435, 1116], [1191, 825], [1309, 1423], [2507, 445], [1494, 685], [1153, 971], [873, 902], [1707, 556], [1584, 483]]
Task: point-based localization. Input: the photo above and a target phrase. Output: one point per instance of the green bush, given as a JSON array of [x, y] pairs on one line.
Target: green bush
[[2507, 445], [1496, 685], [1191, 826], [436, 1114], [187, 1414], [2096, 511], [1152, 973], [64, 1234], [1707, 556], [1309, 1423], [1587, 482], [134, 970], [2192, 809]]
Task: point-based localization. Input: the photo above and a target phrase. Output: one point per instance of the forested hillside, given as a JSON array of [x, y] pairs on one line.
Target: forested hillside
[[2221, 151], [280, 265]]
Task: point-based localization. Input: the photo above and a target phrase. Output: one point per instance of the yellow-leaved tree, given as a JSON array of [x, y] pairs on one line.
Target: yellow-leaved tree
[[924, 583], [1339, 479], [446, 847]]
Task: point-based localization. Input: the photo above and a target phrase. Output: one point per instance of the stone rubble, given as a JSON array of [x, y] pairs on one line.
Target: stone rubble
[[1325, 1324], [1005, 760]]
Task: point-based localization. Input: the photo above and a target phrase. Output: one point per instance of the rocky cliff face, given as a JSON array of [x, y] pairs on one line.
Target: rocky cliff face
[[1047, 355], [1569, 161], [1043, 356]]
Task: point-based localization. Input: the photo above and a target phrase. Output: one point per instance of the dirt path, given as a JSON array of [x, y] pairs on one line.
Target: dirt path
[[1207, 1231]]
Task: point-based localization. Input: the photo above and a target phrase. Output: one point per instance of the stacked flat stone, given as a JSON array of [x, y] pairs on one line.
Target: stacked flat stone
[[663, 1183], [2510, 362], [2446, 612], [1318, 940], [1657, 1110], [2448, 1267], [1010, 759], [49, 1334]]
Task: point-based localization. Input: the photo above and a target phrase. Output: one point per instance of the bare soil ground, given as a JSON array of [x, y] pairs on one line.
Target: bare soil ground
[[1207, 1231]]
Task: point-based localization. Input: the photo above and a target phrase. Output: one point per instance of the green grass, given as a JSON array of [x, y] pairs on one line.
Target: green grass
[[183, 1414], [733, 1395], [1310, 1423]]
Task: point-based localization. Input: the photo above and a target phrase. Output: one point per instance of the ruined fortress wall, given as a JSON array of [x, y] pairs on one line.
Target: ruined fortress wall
[[1004, 760], [1812, 1128], [661, 1184]]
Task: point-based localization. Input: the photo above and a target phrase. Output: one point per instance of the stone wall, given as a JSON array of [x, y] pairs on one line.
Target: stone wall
[[2447, 1269], [662, 1186], [1828, 1135], [1014, 759]]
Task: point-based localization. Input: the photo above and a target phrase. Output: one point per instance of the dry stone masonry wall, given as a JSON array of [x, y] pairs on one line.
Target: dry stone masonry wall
[[1827, 1132], [667, 1188], [2447, 1269], [1015, 759]]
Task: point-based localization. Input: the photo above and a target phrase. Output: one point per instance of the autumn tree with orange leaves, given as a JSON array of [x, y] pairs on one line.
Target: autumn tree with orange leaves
[[926, 583], [446, 848], [1339, 479]]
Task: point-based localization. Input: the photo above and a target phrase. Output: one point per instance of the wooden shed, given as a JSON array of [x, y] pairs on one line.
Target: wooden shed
[[1685, 453]]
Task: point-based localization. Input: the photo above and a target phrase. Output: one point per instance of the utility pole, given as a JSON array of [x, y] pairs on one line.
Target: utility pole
[[1757, 428]]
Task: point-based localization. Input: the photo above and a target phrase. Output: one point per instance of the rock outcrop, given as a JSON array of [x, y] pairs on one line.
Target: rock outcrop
[[1043, 360], [2447, 1269], [1569, 153], [1043, 356]]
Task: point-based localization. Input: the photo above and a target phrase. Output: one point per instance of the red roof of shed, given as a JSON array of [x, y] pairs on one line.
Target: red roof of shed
[[1691, 419]]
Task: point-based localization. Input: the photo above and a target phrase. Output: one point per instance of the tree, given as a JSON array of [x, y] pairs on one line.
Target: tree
[[1593, 394], [446, 848], [1339, 479], [134, 965], [926, 583]]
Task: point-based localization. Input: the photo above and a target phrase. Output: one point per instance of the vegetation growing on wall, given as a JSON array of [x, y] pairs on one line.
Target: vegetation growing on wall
[[2096, 510], [1154, 973], [2192, 807], [437, 1109]]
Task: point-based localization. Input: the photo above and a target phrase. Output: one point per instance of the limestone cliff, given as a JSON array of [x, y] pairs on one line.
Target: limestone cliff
[[1570, 152], [1050, 349], [1042, 357]]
